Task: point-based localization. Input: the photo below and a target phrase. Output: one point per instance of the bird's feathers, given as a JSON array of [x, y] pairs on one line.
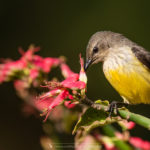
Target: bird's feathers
[[142, 55], [128, 76], [126, 65]]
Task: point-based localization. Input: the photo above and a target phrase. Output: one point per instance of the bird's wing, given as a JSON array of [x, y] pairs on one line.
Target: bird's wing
[[142, 55]]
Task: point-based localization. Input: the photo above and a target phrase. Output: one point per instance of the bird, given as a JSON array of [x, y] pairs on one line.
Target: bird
[[125, 64]]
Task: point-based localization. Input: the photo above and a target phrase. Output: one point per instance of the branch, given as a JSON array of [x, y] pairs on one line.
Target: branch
[[124, 113], [139, 119]]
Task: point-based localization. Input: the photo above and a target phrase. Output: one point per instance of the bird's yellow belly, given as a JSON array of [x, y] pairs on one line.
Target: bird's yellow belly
[[133, 85]]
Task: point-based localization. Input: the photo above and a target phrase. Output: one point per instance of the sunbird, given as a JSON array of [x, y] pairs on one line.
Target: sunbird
[[126, 65]]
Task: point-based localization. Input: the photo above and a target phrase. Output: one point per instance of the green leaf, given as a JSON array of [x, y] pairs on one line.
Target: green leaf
[[90, 119], [93, 118], [105, 102]]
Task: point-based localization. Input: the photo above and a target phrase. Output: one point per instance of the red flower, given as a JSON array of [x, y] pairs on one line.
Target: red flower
[[34, 73], [127, 124], [60, 93], [130, 125], [139, 143], [73, 83], [10, 68], [28, 66], [45, 64], [69, 104], [48, 104], [106, 141], [82, 74], [29, 54], [66, 71], [63, 91]]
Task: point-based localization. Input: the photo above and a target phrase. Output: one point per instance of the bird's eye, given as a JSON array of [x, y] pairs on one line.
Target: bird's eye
[[95, 49]]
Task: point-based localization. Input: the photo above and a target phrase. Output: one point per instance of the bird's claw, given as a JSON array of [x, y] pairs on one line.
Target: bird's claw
[[113, 107]]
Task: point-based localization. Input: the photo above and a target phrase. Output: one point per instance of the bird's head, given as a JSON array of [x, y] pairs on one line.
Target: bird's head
[[100, 45]]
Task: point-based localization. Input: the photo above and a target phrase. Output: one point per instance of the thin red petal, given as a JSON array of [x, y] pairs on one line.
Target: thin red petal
[[81, 63], [66, 71], [74, 85], [44, 104], [130, 125], [139, 143], [59, 99], [29, 54], [69, 105], [50, 94], [34, 73], [48, 63], [82, 74]]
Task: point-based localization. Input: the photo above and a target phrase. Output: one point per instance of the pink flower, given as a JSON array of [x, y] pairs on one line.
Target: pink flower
[[127, 124], [63, 91], [49, 94], [48, 63], [49, 103], [45, 64], [139, 143], [66, 71], [10, 68], [130, 125], [69, 105], [34, 73], [73, 83], [43, 104], [82, 74], [28, 66], [106, 141], [29, 54], [59, 93], [109, 147]]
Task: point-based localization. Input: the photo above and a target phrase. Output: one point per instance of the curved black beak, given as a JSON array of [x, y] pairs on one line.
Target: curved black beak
[[87, 64]]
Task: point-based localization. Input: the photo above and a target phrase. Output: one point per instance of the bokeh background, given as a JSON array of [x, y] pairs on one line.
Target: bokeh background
[[63, 28]]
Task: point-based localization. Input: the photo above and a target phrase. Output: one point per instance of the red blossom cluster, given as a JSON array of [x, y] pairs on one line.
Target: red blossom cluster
[[139, 143], [30, 70], [29, 67], [127, 124], [68, 91], [136, 142]]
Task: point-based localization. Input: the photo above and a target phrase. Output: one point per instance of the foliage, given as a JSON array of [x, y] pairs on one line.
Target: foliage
[[62, 105]]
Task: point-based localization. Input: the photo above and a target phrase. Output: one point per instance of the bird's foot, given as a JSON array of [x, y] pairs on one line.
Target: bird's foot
[[113, 107]]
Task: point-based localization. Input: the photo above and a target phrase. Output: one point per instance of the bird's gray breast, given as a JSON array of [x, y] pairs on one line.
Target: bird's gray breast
[[119, 57]]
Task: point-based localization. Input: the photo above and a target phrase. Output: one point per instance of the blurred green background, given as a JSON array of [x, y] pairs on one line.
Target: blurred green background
[[63, 28]]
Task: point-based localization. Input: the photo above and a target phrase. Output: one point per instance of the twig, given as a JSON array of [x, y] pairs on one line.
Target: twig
[[138, 119]]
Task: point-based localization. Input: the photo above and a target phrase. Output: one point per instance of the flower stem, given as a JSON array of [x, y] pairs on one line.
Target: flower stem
[[110, 131], [138, 119]]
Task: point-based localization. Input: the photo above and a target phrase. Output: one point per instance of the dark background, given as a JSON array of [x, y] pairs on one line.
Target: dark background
[[63, 28]]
